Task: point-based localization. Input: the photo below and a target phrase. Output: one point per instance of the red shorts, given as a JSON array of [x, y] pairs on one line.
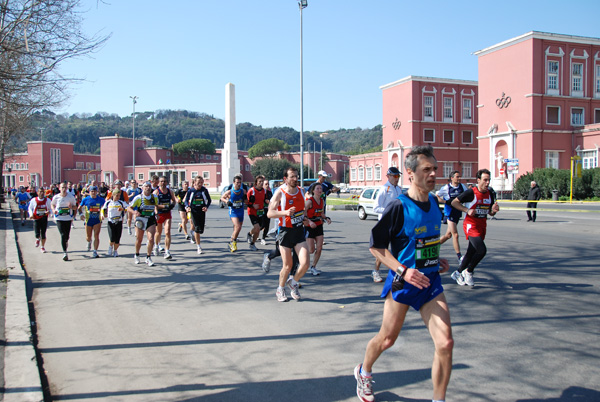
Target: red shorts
[[473, 230], [161, 218]]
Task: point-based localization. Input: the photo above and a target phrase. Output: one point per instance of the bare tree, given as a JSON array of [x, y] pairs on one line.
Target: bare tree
[[36, 36]]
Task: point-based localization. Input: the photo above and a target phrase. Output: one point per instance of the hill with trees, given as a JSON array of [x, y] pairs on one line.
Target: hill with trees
[[169, 127]]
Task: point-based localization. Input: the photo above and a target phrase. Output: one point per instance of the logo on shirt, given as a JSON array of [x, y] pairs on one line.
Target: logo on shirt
[[421, 230]]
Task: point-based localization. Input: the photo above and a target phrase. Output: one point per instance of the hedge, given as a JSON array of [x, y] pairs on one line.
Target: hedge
[[587, 186]]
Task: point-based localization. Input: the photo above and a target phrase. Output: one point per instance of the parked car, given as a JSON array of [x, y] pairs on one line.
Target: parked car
[[366, 202]]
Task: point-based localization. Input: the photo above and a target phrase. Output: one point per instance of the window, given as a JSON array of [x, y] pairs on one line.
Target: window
[[370, 173], [129, 176], [377, 172], [576, 79], [208, 157], [168, 153], [83, 177], [79, 165], [206, 175], [448, 136], [247, 167], [428, 108], [22, 166], [597, 116], [216, 157], [91, 177], [98, 166], [352, 174], [428, 135], [577, 117], [598, 79], [89, 165], [467, 110], [589, 159], [201, 156], [27, 166], [361, 173], [553, 114], [466, 170], [447, 109], [552, 159], [467, 137], [553, 76], [21, 179], [448, 168], [194, 174], [140, 176]]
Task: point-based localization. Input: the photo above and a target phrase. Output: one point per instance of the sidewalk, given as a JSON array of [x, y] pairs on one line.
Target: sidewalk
[[21, 379]]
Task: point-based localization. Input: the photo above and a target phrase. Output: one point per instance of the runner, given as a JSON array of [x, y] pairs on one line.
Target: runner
[[235, 200], [287, 204], [388, 192], [22, 199], [328, 188], [479, 202], [447, 194], [256, 210], [132, 192], [268, 196], [73, 191], [315, 211], [39, 208], [197, 202], [412, 225], [114, 210], [166, 202], [64, 207], [144, 208], [89, 211], [180, 195]]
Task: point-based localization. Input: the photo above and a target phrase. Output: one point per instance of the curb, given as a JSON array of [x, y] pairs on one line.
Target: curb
[[22, 381]]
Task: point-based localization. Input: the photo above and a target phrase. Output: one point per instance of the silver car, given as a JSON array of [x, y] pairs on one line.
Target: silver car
[[366, 202]]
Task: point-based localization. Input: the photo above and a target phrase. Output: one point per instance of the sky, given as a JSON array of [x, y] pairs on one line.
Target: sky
[[180, 55]]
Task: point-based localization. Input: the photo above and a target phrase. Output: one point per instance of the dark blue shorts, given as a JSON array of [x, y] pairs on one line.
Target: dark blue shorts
[[237, 213], [406, 293], [455, 216]]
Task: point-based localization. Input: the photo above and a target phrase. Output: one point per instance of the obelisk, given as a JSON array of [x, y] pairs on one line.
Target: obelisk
[[230, 162]]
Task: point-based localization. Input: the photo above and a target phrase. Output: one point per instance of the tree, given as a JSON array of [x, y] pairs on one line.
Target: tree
[[271, 168], [194, 147], [267, 147], [36, 36]]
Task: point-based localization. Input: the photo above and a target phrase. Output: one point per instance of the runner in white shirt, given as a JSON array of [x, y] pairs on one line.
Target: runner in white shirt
[[64, 206]]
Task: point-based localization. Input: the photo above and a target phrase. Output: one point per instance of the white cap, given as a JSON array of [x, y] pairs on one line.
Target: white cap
[[323, 173]]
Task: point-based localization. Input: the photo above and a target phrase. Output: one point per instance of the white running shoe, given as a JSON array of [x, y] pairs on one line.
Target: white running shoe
[[458, 278], [155, 250], [95, 254], [89, 245], [149, 261], [136, 259], [37, 242], [313, 271], [293, 289], [376, 277], [252, 247], [266, 265], [110, 251], [168, 255], [115, 254], [161, 248], [263, 242], [468, 277], [187, 237], [364, 387], [249, 238], [280, 293], [192, 241], [43, 250], [200, 250]]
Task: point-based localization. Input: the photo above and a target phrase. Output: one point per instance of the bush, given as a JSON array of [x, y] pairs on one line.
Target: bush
[[584, 187]]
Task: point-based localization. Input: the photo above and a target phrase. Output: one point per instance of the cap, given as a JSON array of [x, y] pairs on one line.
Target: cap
[[118, 182], [393, 171], [323, 173], [93, 188]]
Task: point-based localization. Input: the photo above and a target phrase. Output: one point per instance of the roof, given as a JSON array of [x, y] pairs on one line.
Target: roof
[[539, 35], [428, 79]]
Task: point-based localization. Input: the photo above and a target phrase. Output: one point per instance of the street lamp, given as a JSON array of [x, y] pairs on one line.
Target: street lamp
[[134, 98], [42, 139], [302, 4]]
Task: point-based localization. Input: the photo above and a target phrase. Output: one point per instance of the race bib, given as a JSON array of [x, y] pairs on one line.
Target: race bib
[[427, 252], [63, 211], [260, 212], [297, 218], [238, 204]]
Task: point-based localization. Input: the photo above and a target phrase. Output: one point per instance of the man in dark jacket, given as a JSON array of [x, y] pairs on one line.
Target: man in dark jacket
[[533, 197]]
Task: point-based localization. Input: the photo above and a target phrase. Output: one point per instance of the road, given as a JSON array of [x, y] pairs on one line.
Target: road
[[209, 328]]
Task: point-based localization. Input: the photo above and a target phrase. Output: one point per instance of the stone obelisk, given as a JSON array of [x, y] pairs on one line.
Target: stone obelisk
[[230, 162]]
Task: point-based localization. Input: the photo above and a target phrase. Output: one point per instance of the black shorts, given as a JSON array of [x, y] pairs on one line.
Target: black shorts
[[258, 220], [313, 233], [455, 216], [290, 237], [181, 207], [198, 219]]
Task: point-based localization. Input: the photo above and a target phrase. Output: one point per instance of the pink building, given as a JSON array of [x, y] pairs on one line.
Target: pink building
[[539, 104], [334, 164], [49, 162], [424, 111]]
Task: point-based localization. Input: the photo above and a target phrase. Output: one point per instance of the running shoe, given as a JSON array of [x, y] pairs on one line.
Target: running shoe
[[293, 289], [376, 277], [468, 277], [187, 237], [95, 254], [249, 238], [280, 293], [460, 259], [149, 261], [155, 250], [136, 259], [89, 245], [192, 241], [168, 255], [43, 250], [65, 257], [263, 242], [230, 245], [129, 230], [115, 254], [37, 242], [313, 271], [364, 386], [110, 251], [458, 278], [266, 265], [180, 228], [253, 247], [200, 250], [161, 248], [234, 245]]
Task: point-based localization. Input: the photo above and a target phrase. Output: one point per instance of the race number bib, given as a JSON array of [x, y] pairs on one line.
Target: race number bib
[[427, 252]]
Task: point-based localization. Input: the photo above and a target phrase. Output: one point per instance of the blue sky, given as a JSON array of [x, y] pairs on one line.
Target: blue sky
[[181, 54]]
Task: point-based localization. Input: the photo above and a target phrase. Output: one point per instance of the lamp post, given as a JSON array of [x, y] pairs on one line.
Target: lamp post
[[134, 98], [42, 140], [302, 4]]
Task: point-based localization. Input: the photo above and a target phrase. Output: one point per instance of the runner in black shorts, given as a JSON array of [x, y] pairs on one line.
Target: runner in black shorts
[[446, 194], [197, 202]]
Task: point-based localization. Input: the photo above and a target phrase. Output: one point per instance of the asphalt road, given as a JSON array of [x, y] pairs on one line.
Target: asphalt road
[[209, 328]]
